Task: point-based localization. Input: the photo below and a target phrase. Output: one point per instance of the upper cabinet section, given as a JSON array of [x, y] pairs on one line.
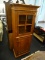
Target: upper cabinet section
[[23, 17]]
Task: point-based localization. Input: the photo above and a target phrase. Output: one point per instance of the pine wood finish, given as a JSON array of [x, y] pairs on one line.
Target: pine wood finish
[[22, 27], [23, 19]]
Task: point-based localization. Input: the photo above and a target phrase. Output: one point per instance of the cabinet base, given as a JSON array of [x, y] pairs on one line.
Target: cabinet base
[[16, 56]]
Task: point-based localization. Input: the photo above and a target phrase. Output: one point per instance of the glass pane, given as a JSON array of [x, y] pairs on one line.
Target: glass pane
[[29, 19], [21, 29], [22, 19], [28, 28]]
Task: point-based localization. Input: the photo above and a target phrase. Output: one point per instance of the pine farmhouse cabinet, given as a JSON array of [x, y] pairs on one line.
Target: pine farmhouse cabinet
[[21, 19]]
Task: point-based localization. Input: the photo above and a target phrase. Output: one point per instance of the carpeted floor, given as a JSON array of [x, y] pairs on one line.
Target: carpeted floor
[[6, 54]]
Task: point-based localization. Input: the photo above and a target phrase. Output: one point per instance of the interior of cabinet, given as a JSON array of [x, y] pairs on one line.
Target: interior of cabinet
[[21, 29], [29, 19], [22, 19], [28, 28]]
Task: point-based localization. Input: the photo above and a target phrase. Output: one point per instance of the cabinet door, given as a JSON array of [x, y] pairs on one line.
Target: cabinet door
[[24, 44], [25, 22]]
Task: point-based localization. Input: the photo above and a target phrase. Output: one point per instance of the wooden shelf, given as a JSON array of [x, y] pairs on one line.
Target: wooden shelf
[[28, 24], [21, 25], [24, 24]]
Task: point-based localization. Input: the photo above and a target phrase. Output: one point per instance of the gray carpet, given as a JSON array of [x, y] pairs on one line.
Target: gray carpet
[[7, 54]]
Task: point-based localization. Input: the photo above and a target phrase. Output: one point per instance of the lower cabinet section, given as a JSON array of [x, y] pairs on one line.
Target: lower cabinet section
[[22, 45]]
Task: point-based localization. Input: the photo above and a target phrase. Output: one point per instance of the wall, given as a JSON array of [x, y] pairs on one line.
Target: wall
[[1, 1], [2, 5]]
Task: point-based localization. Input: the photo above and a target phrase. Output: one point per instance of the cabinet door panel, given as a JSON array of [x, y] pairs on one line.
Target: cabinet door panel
[[25, 44]]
